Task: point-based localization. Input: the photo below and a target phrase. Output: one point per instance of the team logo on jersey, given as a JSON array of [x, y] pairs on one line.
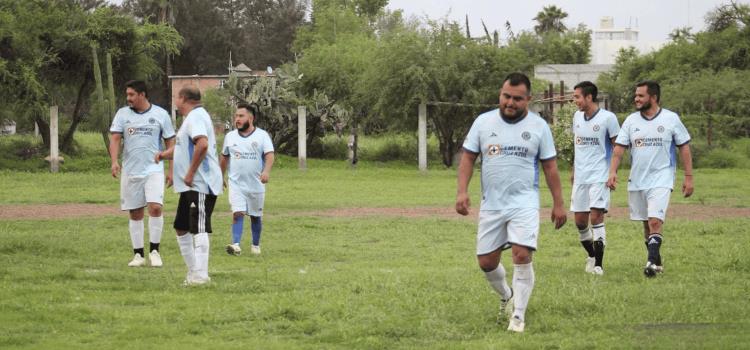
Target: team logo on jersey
[[636, 130], [237, 155], [494, 150], [526, 135], [660, 129], [131, 131], [255, 145], [151, 121], [493, 134], [638, 142], [578, 140], [596, 127]]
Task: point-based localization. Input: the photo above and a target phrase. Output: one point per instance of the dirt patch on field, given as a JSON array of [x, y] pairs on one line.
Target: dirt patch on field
[[65, 211]]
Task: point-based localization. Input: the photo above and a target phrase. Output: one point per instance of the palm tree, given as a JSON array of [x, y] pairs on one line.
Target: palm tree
[[550, 20]]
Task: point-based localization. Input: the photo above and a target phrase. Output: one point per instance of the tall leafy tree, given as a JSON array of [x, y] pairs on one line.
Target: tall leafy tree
[[550, 20]]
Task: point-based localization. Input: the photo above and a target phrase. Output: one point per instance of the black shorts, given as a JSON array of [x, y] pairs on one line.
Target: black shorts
[[194, 212]]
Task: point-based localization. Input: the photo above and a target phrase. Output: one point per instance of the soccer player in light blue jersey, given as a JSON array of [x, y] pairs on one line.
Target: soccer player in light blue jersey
[[653, 135], [594, 131], [141, 126], [248, 153], [197, 178], [512, 142]]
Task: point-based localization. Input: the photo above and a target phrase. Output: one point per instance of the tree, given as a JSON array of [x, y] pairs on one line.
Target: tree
[[570, 47], [726, 16], [550, 20]]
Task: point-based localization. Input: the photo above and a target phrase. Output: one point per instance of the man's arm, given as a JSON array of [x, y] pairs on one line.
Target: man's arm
[[223, 162], [199, 152], [114, 152], [616, 158], [465, 171], [268, 159], [687, 163], [169, 145], [555, 187]]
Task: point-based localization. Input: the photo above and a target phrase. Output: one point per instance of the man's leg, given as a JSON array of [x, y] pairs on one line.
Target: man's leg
[[155, 229], [491, 236], [201, 216], [600, 237], [135, 226], [653, 246], [182, 227], [587, 238]]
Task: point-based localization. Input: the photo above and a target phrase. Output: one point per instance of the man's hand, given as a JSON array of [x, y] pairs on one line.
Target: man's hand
[[687, 186], [264, 177], [188, 179], [558, 216], [612, 182], [157, 157], [169, 179], [115, 169], [463, 204]]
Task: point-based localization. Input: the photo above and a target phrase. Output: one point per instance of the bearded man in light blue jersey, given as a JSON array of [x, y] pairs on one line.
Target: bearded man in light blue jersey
[[512, 142], [653, 134], [594, 132], [249, 155], [141, 126], [197, 178]]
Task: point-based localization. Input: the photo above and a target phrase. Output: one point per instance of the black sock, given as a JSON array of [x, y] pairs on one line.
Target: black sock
[[653, 244], [599, 252], [589, 246], [154, 246], [138, 251]]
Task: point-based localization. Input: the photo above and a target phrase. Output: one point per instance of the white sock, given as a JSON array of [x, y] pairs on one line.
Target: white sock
[[599, 233], [155, 227], [585, 234], [201, 254], [496, 278], [523, 284], [136, 233], [186, 249]]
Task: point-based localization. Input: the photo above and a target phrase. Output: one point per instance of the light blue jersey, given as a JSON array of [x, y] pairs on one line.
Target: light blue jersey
[[510, 152], [208, 177], [142, 134], [652, 148], [593, 145], [246, 159]]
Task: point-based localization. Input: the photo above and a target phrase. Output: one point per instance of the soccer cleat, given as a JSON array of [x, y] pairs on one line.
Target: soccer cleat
[[516, 324], [255, 249], [506, 306], [651, 269], [193, 279], [155, 258], [137, 261], [598, 270], [234, 249], [590, 261]]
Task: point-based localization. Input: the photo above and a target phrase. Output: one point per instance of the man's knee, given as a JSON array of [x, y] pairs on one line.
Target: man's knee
[[136, 214], [521, 255], [236, 216], [597, 216], [488, 262], [154, 209]]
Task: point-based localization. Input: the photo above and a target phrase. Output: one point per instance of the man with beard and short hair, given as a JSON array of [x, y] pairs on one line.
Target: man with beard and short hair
[[249, 154], [512, 141], [594, 131], [652, 134], [141, 126]]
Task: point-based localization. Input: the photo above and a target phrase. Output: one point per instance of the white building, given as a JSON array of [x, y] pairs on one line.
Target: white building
[[607, 41]]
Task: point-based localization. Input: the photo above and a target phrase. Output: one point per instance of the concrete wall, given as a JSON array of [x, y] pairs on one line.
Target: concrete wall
[[571, 74]]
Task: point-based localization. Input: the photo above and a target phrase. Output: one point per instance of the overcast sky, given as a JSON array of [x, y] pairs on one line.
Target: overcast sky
[[655, 18]]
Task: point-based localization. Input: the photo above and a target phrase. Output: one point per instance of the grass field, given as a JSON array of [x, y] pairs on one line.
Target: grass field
[[370, 282]]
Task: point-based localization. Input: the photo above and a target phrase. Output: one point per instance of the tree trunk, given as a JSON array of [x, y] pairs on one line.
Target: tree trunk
[[77, 116], [43, 129]]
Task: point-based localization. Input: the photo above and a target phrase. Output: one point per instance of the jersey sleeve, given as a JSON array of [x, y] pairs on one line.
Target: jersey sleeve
[[167, 130], [471, 143], [680, 134], [117, 124], [623, 136], [547, 144], [267, 143], [196, 128], [613, 127], [225, 145]]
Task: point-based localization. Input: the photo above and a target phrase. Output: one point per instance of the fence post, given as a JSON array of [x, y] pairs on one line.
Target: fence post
[[302, 137], [422, 135], [54, 160]]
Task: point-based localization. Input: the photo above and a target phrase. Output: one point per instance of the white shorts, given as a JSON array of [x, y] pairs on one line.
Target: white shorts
[[651, 203], [588, 196], [248, 203], [503, 228], [137, 191]]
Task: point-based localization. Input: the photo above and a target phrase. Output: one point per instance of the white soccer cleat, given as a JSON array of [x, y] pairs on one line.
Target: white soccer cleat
[[516, 325], [137, 261], [234, 249], [506, 307], [598, 270], [590, 264], [155, 258], [255, 249], [192, 279]]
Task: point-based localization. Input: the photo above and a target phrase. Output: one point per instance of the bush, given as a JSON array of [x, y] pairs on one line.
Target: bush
[[720, 158]]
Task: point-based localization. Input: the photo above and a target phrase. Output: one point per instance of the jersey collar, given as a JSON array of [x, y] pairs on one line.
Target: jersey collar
[[657, 114], [513, 121], [592, 116], [145, 111]]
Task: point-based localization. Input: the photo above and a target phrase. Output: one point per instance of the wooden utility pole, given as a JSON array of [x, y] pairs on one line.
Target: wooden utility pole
[[54, 155], [422, 136], [302, 137]]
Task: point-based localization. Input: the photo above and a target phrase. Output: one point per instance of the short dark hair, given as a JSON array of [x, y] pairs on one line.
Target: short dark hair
[[588, 88], [138, 85], [250, 107], [191, 93], [652, 88], [516, 79]]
